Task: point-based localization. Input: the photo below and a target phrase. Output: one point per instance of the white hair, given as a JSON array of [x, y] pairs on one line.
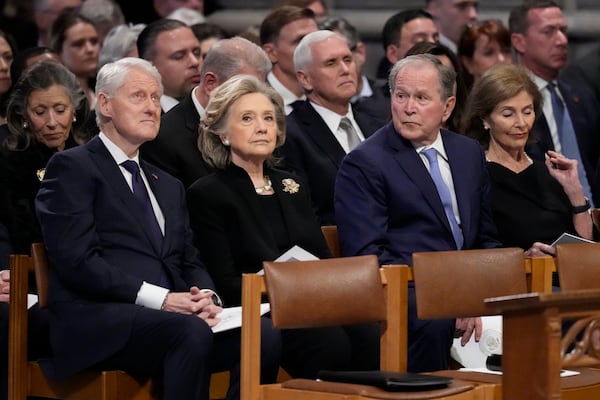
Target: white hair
[[303, 53]]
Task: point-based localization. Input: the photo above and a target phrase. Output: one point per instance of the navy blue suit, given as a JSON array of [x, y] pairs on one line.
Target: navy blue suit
[[387, 204], [100, 251], [584, 111], [312, 152]]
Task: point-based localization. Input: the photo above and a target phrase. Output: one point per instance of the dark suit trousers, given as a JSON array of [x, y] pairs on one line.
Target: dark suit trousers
[[182, 351], [307, 351], [429, 341]]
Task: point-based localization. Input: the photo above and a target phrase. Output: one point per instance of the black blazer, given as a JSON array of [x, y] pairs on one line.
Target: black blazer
[[584, 111], [312, 152], [232, 232], [378, 104], [100, 252], [175, 149]]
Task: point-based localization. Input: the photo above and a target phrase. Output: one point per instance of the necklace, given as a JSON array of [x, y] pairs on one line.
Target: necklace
[[266, 188]]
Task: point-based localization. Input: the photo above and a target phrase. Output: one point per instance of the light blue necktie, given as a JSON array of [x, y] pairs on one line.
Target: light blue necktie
[[566, 135], [445, 196]]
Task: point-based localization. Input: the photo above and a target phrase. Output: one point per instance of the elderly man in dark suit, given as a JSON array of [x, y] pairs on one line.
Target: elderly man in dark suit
[[412, 187], [322, 129], [570, 110], [127, 289], [175, 149]]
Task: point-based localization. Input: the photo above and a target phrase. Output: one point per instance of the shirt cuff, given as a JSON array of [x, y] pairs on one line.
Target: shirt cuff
[[151, 296]]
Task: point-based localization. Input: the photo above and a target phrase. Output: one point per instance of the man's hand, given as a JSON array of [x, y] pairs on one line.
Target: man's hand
[[4, 285], [193, 302], [465, 327]]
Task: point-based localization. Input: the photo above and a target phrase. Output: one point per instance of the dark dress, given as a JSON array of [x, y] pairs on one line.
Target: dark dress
[[530, 206], [236, 230], [21, 172]]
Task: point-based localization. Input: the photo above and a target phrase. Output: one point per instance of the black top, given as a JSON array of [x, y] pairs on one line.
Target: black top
[[236, 231], [21, 172], [530, 206]]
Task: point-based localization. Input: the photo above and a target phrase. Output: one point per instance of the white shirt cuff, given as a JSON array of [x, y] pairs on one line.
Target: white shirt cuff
[[151, 296]]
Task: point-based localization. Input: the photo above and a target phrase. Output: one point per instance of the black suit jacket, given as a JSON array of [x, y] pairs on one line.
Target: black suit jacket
[[584, 111], [378, 104], [312, 152], [233, 233], [100, 252], [175, 149]]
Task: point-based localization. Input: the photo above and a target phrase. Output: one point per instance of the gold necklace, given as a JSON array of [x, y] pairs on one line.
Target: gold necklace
[[266, 188]]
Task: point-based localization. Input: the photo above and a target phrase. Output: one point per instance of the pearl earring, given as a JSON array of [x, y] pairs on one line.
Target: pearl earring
[[226, 142], [74, 118], [25, 125]]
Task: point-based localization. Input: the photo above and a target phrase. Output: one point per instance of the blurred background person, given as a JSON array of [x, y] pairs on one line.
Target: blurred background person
[[165, 7], [244, 123], [120, 42], [449, 59], [104, 14], [44, 114], [75, 39], [26, 58], [481, 45], [8, 49], [208, 34], [45, 12], [173, 49], [533, 202], [402, 31], [451, 18]]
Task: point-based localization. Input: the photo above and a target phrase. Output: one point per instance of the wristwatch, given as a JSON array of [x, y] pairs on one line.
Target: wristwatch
[[583, 208]]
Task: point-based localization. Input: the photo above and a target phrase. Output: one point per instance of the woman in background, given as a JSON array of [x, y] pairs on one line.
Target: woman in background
[[8, 49], [75, 39], [44, 113], [248, 211], [533, 202], [482, 45]]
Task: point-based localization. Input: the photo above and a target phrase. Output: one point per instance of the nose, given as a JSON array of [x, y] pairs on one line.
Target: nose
[[561, 38], [52, 121], [194, 60], [409, 106]]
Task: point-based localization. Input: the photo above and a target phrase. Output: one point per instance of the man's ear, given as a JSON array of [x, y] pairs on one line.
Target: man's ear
[[518, 42], [391, 53], [448, 108], [269, 48], [304, 81], [104, 106], [210, 82]]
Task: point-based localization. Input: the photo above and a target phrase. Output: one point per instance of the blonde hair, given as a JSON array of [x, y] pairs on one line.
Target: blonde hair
[[214, 124]]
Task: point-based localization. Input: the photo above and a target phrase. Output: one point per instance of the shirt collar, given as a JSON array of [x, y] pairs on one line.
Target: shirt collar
[[288, 96], [438, 145], [199, 108], [115, 151], [167, 102], [332, 119]]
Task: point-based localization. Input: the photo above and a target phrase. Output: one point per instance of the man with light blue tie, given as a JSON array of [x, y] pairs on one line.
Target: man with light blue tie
[[570, 111], [414, 187]]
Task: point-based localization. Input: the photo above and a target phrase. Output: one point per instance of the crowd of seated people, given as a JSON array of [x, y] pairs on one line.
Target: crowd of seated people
[[246, 148]]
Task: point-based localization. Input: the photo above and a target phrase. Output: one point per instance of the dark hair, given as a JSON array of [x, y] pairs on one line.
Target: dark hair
[[518, 21], [207, 30], [280, 17], [438, 49], [13, 48], [41, 76], [492, 28], [499, 83], [146, 41], [299, 3], [58, 32], [22, 58], [392, 29]]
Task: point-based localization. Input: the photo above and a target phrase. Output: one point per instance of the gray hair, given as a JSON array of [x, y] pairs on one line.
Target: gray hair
[[303, 52], [105, 14], [113, 75], [446, 76], [341, 26], [215, 123], [41, 76], [119, 42], [228, 56]]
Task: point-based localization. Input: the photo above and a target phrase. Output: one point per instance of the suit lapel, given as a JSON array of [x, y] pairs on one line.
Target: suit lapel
[[316, 129], [112, 173], [415, 170], [191, 117]]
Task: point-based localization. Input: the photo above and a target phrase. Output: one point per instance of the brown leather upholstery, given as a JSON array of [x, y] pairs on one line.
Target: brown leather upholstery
[[333, 241], [337, 291], [578, 266], [452, 284]]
